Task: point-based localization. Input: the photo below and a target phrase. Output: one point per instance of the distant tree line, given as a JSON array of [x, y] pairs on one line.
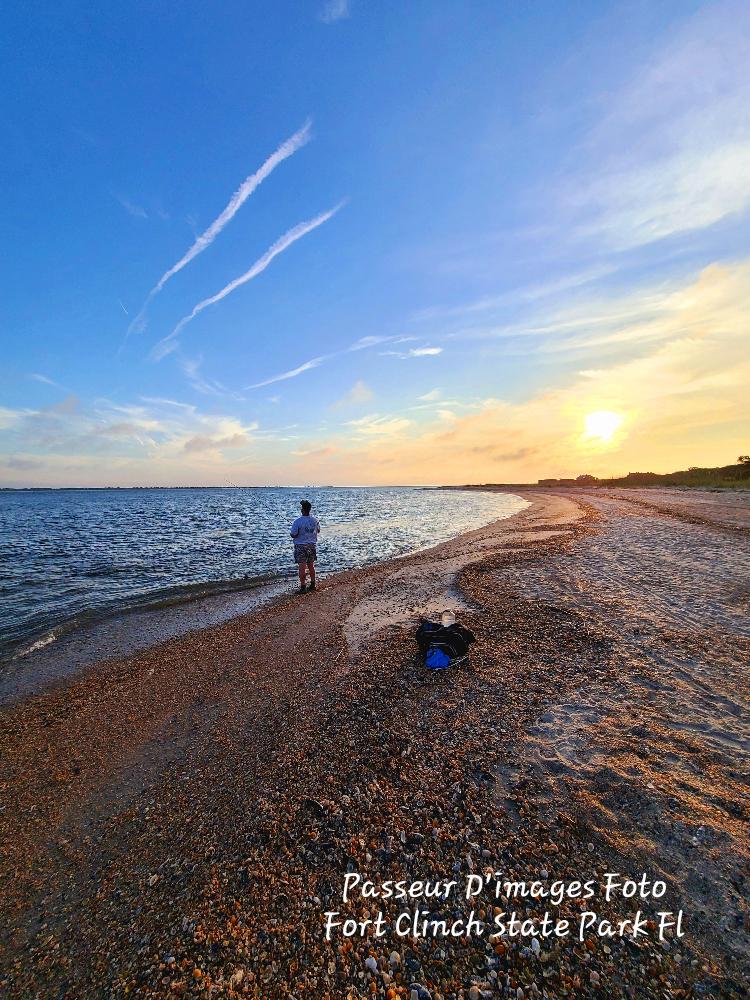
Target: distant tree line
[[727, 476]]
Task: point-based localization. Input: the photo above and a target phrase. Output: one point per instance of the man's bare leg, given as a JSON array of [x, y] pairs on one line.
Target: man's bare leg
[[311, 568], [301, 568]]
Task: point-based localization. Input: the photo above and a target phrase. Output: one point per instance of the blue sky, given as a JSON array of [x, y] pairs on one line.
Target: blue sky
[[488, 222]]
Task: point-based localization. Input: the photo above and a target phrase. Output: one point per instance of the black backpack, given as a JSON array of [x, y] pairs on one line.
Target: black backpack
[[454, 640]]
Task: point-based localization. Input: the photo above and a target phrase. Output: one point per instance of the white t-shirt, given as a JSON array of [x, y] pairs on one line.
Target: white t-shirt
[[305, 530]]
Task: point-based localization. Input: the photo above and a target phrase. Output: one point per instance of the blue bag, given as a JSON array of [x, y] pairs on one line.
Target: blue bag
[[440, 645], [436, 659]]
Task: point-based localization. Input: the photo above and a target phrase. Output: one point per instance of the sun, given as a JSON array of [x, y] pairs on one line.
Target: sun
[[602, 424]]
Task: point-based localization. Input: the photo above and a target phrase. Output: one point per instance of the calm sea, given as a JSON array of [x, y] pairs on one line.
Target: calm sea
[[68, 557]]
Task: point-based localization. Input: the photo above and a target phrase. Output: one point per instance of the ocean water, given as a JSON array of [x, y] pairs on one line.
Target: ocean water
[[71, 557]]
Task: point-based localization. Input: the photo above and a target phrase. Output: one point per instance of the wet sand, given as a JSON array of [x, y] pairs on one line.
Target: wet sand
[[64, 653], [176, 822]]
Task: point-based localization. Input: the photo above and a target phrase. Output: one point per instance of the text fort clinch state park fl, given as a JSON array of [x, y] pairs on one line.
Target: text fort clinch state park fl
[[426, 899]]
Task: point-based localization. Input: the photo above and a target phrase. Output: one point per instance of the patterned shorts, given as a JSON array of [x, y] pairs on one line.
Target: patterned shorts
[[305, 553]]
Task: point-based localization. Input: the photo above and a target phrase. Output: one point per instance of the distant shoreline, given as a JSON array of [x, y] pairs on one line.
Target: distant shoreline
[[725, 477], [89, 489], [508, 487]]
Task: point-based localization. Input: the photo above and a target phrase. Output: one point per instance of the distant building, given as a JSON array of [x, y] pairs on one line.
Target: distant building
[[578, 481]]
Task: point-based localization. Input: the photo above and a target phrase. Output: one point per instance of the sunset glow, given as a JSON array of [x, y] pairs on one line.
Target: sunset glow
[[602, 424], [527, 262]]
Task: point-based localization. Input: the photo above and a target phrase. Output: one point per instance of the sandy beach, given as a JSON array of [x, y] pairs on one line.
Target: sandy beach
[[177, 822]]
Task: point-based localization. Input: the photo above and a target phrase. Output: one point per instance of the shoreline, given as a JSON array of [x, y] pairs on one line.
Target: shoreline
[[68, 649], [197, 794], [64, 650]]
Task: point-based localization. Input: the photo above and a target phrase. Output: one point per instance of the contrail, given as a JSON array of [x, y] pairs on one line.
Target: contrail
[[166, 345], [312, 363], [238, 199]]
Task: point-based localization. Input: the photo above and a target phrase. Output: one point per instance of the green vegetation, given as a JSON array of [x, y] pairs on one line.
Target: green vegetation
[[736, 476], [732, 477]]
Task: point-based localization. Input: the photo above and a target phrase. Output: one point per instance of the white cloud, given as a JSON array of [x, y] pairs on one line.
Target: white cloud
[[334, 10], [191, 368], [137, 211], [166, 345], [374, 425], [162, 401], [235, 203], [44, 379], [9, 418], [366, 342], [238, 199], [682, 399], [321, 452], [691, 189], [293, 373], [519, 295], [359, 393], [430, 396], [672, 153], [414, 352], [159, 431], [204, 442], [682, 396], [623, 319]]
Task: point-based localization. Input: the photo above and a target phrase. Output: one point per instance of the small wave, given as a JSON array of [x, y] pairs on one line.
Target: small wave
[[157, 600], [186, 593], [109, 570], [39, 644]]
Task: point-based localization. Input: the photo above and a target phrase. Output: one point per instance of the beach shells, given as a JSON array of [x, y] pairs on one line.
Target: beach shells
[[284, 777]]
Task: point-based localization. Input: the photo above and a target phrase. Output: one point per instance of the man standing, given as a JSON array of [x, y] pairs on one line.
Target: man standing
[[305, 531]]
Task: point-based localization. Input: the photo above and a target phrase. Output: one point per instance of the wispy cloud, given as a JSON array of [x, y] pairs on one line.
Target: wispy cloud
[[238, 199], [374, 425], [149, 436], [162, 401], [16, 464], [44, 379], [414, 352], [672, 153], [334, 10], [235, 203], [315, 452], [682, 396], [191, 368], [366, 342], [429, 397], [293, 373], [137, 211], [682, 399], [624, 320], [204, 442], [167, 344], [520, 295], [359, 393], [9, 418]]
